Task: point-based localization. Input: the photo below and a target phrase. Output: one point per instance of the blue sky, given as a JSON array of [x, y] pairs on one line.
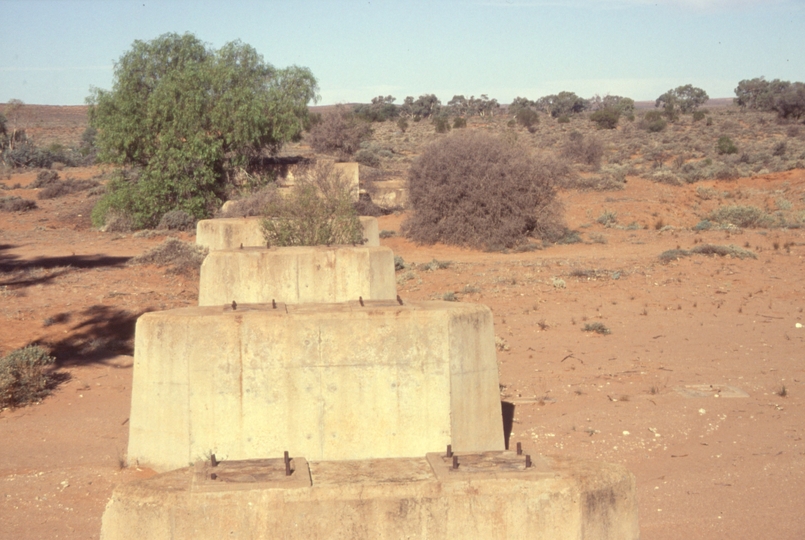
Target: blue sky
[[53, 51]]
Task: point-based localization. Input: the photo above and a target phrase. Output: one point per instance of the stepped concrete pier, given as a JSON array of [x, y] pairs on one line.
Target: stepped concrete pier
[[324, 381], [297, 275]]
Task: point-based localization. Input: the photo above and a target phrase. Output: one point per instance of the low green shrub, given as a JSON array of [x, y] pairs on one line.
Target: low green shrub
[[741, 216], [441, 124], [726, 146], [606, 118], [653, 122], [526, 117]]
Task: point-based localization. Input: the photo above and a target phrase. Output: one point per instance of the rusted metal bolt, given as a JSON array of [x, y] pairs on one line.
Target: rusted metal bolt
[[234, 305], [455, 461], [399, 300], [273, 304], [519, 449], [287, 464], [360, 299], [213, 476], [449, 450], [527, 461], [213, 461]]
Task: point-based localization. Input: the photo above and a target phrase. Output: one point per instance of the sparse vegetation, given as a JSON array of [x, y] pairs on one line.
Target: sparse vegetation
[[16, 204], [181, 257], [707, 249], [318, 211], [66, 187], [597, 327]]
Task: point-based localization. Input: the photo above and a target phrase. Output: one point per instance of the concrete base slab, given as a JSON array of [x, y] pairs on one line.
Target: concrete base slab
[[561, 499], [297, 274], [231, 233], [327, 381]]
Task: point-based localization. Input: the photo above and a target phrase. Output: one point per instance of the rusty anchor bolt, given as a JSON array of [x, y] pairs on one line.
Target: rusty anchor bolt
[[519, 449], [273, 304], [449, 450], [455, 462], [234, 305], [360, 299], [213, 461], [287, 464], [399, 300], [527, 461], [213, 476], [241, 245]]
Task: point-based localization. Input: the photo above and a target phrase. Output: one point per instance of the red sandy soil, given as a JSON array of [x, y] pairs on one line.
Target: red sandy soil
[[707, 467]]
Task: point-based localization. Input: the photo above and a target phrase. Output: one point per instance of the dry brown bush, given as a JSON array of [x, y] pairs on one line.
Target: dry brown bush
[[588, 150], [475, 189], [340, 133]]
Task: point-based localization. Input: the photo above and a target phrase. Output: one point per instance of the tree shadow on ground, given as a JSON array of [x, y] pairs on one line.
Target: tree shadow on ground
[[102, 333], [16, 272]]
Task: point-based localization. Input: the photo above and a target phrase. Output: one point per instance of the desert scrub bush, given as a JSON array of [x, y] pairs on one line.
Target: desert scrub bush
[[665, 177], [607, 218], [16, 204], [367, 157], [177, 220], [526, 117], [44, 179], [66, 187], [725, 145], [587, 150], [597, 327], [339, 133], [459, 122], [399, 263], [25, 376], [741, 216], [653, 122], [441, 124], [181, 257], [602, 182], [474, 189], [606, 118], [707, 249], [723, 251], [318, 211]]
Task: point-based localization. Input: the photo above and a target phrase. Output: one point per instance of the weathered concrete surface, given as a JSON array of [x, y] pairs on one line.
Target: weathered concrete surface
[[297, 274], [324, 381], [385, 499], [231, 233]]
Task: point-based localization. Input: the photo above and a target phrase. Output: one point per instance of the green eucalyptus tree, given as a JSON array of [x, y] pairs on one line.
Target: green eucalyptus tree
[[184, 115]]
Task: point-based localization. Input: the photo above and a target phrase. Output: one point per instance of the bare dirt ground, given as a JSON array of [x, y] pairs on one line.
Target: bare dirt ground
[[685, 390]]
